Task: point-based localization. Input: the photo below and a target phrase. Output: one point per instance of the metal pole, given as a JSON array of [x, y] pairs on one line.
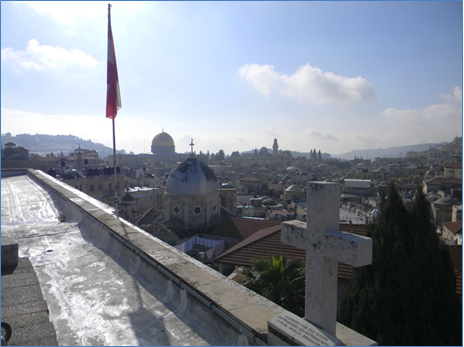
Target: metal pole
[[114, 164]]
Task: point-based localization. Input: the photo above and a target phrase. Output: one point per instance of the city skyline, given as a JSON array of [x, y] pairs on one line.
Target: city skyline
[[335, 76]]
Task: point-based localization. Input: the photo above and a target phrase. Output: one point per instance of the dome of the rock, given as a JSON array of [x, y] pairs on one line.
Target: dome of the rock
[[162, 144]]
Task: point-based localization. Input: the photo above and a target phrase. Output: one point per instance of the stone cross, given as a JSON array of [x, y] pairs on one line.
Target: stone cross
[[325, 246]]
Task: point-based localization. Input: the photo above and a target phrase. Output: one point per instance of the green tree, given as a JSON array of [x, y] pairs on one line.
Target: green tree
[[279, 279], [407, 296]]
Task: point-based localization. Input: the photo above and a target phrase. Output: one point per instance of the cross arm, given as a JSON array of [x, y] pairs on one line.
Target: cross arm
[[347, 248], [344, 247]]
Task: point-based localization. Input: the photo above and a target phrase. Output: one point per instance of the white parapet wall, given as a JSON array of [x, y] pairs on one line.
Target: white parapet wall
[[229, 312], [232, 311]]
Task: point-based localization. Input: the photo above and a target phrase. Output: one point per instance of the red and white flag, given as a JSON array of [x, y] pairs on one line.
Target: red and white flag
[[113, 97]]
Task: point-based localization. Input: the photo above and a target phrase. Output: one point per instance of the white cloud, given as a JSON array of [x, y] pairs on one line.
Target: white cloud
[[315, 134], [451, 108], [308, 83], [434, 123], [43, 57]]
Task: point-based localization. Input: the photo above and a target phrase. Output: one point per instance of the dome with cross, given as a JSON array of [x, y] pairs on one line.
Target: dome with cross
[[192, 196], [192, 177]]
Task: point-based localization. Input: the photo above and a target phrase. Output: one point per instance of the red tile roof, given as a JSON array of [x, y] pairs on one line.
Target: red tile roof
[[454, 227], [457, 165], [441, 180], [266, 242], [242, 227]]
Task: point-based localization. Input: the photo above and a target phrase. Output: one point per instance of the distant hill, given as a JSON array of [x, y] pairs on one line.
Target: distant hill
[[392, 152], [45, 144]]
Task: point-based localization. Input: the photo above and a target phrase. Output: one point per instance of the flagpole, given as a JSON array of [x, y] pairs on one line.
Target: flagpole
[[114, 165], [113, 101]]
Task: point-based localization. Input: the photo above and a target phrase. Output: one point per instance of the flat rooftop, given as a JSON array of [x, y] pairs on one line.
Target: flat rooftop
[[105, 281], [98, 291]]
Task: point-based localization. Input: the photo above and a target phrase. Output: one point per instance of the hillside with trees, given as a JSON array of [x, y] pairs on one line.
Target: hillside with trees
[[45, 144]]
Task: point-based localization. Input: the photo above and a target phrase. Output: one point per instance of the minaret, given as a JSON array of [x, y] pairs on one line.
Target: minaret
[[275, 148], [79, 165]]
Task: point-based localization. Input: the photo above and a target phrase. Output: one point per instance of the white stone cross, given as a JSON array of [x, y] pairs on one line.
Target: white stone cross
[[325, 246]]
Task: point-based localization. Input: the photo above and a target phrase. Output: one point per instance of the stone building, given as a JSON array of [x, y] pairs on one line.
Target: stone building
[[192, 198], [443, 209], [100, 187], [453, 170], [12, 152], [250, 185], [452, 232], [82, 158]]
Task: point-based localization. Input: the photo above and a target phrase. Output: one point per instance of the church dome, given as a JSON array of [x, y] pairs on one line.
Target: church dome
[[162, 140], [192, 177]]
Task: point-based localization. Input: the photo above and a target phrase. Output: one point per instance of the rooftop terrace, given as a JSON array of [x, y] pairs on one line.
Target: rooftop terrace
[[107, 282]]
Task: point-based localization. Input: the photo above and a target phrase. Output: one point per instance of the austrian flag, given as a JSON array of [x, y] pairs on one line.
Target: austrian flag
[[113, 97]]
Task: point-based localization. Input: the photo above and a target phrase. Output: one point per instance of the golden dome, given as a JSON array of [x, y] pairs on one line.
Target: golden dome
[[162, 140]]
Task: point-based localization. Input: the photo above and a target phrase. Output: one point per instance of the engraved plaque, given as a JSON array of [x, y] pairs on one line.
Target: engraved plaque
[[298, 331]]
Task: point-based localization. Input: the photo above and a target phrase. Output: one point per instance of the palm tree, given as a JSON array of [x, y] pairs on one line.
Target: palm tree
[[279, 279]]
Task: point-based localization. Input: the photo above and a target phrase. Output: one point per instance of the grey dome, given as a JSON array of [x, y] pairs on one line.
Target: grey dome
[[192, 177], [293, 188]]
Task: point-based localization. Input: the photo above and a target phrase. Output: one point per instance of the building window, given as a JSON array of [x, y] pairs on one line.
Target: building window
[[176, 209], [197, 210], [99, 187], [92, 188]]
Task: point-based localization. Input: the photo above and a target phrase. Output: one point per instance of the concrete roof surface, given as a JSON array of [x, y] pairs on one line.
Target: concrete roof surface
[[94, 295]]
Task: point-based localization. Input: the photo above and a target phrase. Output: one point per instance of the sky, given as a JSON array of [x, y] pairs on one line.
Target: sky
[[332, 76]]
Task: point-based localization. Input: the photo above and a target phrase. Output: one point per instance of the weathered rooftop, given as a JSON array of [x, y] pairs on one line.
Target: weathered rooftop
[[107, 282]]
